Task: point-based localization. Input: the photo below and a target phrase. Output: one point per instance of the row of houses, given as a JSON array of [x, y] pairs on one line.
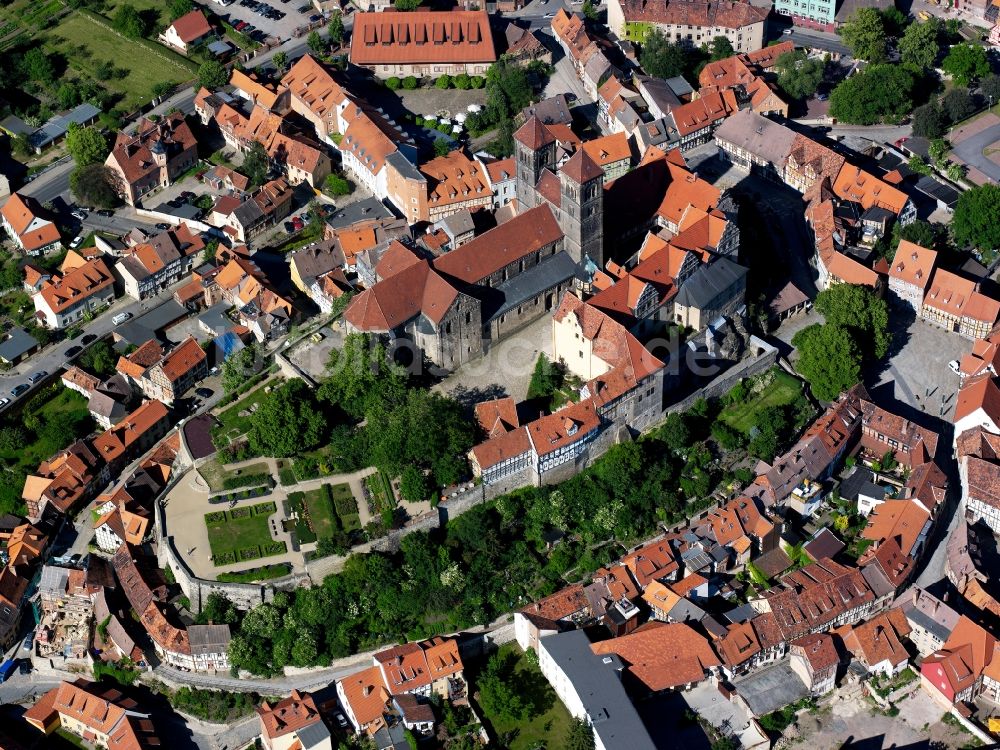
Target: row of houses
[[823, 615]]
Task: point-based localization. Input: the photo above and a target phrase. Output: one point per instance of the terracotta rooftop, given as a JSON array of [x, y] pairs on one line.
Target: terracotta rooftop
[[393, 37], [663, 655], [289, 715]]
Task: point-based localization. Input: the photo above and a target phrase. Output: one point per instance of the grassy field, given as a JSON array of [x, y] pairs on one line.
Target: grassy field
[[783, 390], [318, 511], [86, 44], [319, 504], [216, 475], [243, 537], [550, 727]]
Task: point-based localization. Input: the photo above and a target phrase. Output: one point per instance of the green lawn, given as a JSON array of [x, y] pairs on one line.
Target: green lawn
[[216, 475], [550, 728], [783, 390], [231, 423], [85, 44], [319, 504], [237, 539], [381, 492]]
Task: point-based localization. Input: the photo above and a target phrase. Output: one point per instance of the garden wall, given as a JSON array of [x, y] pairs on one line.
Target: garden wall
[[197, 590], [724, 382]]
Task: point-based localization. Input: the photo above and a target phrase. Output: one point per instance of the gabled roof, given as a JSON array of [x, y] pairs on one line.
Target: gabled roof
[[192, 26], [913, 264], [289, 715], [400, 38], [78, 284], [663, 655]]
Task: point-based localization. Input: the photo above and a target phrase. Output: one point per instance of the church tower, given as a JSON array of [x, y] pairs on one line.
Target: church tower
[[581, 210], [534, 151]]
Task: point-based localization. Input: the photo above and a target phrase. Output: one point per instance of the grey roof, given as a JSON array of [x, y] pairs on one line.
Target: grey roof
[[551, 111], [140, 330], [53, 582], [741, 613], [861, 481], [679, 86], [764, 138], [316, 259], [597, 681], [370, 209], [685, 610], [248, 213], [56, 127], [208, 639], [214, 319], [653, 133], [551, 272], [708, 282], [405, 167], [102, 405], [311, 735], [659, 93], [938, 190], [930, 613], [184, 211], [877, 580], [18, 343], [770, 689], [17, 126], [696, 561], [773, 563], [458, 223], [597, 67], [219, 47]]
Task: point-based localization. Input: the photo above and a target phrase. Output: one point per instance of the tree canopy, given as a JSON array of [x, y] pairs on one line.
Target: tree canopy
[[127, 21], [799, 75], [86, 145], [975, 220], [966, 63], [335, 29], [360, 377], [287, 421], [861, 311], [660, 57], [256, 164], [94, 185], [929, 121], [213, 75], [958, 104], [720, 48], [828, 358], [865, 34], [179, 8], [239, 366], [919, 45], [880, 93]]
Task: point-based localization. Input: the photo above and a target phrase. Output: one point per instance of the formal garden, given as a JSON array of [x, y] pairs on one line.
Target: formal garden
[[242, 534], [322, 513], [219, 478]]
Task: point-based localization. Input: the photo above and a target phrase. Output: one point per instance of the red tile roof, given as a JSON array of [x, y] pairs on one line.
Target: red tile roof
[[663, 655], [289, 715], [394, 37], [192, 26]]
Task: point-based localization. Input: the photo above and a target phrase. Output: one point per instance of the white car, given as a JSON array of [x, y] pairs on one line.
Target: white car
[[4, 401], [77, 241], [954, 366]]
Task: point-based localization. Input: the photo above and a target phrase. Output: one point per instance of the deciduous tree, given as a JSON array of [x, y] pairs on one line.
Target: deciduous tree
[[94, 184], [179, 8], [881, 93], [929, 121], [862, 312], [958, 104], [86, 145], [128, 22], [864, 32], [919, 45], [720, 48], [256, 165], [335, 28], [966, 63], [661, 58], [213, 75], [798, 74], [975, 221], [829, 359], [287, 421]]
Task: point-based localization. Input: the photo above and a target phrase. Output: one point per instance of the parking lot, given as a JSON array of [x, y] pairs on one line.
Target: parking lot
[[285, 16]]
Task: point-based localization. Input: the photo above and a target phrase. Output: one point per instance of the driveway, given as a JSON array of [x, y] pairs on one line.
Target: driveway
[[971, 149]]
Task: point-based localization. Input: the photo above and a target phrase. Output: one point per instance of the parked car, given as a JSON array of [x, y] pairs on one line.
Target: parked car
[[297, 223], [106, 212], [4, 401], [204, 392], [77, 241], [89, 338], [73, 351], [341, 721], [187, 195], [79, 214], [163, 226], [121, 318], [18, 389], [36, 376], [954, 366], [25, 667]]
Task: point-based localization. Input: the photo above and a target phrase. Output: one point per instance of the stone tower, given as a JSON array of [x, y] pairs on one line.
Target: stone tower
[[534, 151], [581, 210]]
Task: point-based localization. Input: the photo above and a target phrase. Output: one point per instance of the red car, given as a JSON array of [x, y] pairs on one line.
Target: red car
[[241, 25], [297, 223]]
